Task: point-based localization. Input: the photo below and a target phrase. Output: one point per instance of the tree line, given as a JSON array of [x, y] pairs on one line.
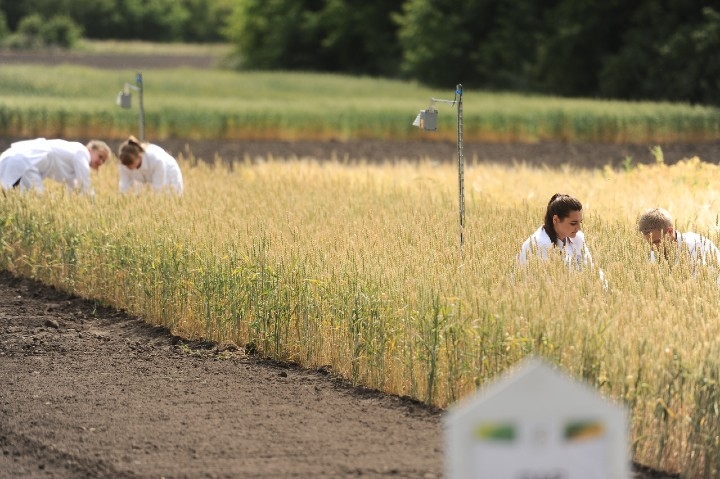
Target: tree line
[[197, 21], [661, 50]]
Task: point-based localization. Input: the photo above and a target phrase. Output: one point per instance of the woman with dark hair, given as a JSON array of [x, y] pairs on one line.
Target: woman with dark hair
[[145, 163], [561, 230]]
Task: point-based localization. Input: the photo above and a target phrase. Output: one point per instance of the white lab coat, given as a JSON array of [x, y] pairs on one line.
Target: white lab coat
[[574, 250], [158, 168], [701, 250], [31, 161]]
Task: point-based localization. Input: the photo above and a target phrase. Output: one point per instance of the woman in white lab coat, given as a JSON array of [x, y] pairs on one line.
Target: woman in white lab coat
[[560, 230], [27, 163], [145, 163]]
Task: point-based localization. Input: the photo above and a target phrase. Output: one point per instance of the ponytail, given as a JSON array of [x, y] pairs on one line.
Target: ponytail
[[561, 205]]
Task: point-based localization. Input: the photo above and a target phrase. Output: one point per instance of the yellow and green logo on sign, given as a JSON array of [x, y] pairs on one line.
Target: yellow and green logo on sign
[[496, 432]]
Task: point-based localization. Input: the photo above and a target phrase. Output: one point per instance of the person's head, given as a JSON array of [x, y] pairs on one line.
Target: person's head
[[654, 224], [563, 217], [99, 153], [130, 153]]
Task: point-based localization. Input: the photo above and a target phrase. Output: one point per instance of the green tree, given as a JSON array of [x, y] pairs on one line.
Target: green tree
[[34, 31], [673, 57], [581, 34], [4, 29], [705, 44], [490, 44], [359, 36], [435, 37], [100, 19], [156, 20], [14, 10], [351, 36], [276, 34], [60, 31], [507, 56], [28, 32], [206, 20]]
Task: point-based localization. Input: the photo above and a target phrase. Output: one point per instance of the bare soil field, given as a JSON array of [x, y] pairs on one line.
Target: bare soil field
[[88, 392], [547, 154], [106, 61]]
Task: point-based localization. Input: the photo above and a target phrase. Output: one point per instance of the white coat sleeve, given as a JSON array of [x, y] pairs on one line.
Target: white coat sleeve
[[81, 166], [524, 252], [125, 180], [158, 177]]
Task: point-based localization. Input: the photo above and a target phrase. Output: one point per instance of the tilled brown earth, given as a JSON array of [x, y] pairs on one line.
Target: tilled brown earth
[[545, 154], [87, 392], [107, 61]]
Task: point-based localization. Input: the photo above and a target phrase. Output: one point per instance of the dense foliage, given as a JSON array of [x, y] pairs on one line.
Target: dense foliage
[[642, 50], [153, 20], [591, 48], [329, 35]]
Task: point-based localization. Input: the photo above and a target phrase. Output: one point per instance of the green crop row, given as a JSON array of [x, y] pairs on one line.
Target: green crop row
[[72, 101]]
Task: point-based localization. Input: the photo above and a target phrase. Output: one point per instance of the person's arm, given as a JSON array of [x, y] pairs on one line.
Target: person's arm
[[588, 261], [578, 252], [713, 257], [525, 252], [587, 257], [174, 177], [713, 253], [154, 155], [126, 180], [537, 244], [81, 166], [158, 176]]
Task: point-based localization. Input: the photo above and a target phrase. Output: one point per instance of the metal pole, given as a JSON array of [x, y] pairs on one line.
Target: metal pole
[[461, 161], [139, 82]]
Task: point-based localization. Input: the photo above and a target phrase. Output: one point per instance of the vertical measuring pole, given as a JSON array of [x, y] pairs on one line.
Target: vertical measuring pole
[[461, 161], [139, 82]]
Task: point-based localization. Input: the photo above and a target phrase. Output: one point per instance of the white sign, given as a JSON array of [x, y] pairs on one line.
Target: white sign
[[537, 424]]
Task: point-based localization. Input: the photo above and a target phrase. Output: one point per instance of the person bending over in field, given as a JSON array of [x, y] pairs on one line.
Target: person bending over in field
[[561, 232], [656, 226], [27, 163], [148, 164]]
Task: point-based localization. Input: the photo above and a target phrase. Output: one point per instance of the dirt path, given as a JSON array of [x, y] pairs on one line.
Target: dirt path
[[92, 393], [548, 154], [107, 61]]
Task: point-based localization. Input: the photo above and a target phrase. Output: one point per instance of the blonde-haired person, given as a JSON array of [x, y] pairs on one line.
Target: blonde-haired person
[[145, 163], [657, 227], [27, 163]]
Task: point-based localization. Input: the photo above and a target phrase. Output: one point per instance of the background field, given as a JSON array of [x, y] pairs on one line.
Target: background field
[[70, 101]]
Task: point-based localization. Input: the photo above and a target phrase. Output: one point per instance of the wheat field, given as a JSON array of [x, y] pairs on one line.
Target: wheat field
[[359, 267]]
